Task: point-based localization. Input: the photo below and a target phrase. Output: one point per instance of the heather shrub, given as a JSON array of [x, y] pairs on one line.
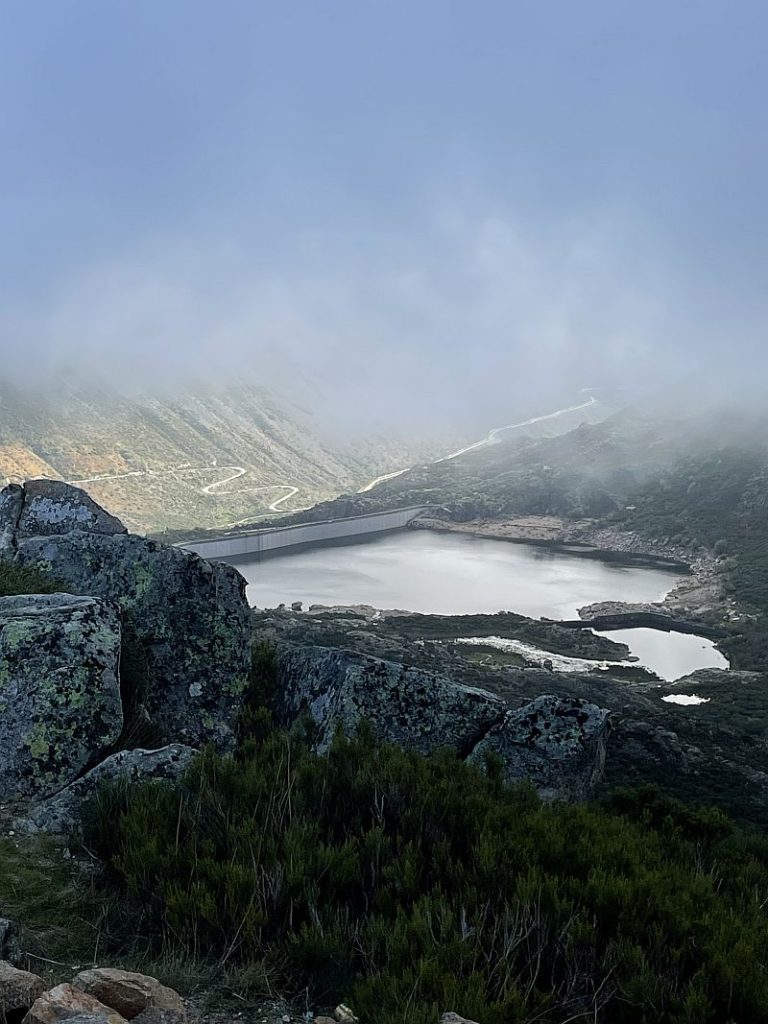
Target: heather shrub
[[406, 885]]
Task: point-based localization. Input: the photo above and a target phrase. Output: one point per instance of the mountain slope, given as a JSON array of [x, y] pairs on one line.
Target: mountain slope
[[194, 457]]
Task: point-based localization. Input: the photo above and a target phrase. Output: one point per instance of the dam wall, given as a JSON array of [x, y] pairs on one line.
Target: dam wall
[[264, 542]]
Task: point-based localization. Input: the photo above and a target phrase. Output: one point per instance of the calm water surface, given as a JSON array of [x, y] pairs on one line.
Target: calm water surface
[[448, 574], [454, 574]]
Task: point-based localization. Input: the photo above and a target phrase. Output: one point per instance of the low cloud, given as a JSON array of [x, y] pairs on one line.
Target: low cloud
[[472, 315]]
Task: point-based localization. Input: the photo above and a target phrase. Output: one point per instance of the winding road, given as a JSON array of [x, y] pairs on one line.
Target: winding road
[[232, 473], [492, 437]]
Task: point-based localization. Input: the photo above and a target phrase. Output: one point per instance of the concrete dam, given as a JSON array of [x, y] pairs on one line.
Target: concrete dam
[[259, 543]]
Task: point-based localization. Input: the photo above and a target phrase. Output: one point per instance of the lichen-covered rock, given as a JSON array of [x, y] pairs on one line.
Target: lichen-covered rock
[[66, 1003], [187, 618], [558, 744], [62, 813], [11, 505], [18, 989], [415, 709], [60, 703], [53, 507], [127, 992]]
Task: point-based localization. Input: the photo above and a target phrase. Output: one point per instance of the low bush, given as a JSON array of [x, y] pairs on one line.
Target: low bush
[[407, 885]]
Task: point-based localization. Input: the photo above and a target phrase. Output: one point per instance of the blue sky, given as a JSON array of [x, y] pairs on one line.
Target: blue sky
[[425, 194]]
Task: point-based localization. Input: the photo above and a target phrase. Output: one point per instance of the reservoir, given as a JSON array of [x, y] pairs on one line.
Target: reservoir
[[455, 574]]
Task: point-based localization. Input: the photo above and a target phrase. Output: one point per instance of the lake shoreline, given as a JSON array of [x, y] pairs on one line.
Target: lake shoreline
[[699, 593]]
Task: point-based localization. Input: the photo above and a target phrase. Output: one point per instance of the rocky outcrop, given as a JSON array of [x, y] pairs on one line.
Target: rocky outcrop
[[60, 703], [413, 708], [127, 992], [188, 617], [557, 744], [61, 814], [185, 620], [101, 995]]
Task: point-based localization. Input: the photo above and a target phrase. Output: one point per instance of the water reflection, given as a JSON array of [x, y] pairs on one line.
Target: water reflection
[[448, 574]]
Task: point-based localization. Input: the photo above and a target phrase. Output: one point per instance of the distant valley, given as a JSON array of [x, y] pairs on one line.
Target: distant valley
[[200, 456]]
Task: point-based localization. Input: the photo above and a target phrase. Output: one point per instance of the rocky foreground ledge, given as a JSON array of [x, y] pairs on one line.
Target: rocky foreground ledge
[[106, 995], [146, 658]]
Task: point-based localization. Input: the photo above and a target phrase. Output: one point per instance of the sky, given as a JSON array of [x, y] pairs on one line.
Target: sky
[[457, 207]]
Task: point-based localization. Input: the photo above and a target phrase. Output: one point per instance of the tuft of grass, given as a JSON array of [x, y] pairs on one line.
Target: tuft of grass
[[71, 920], [62, 911]]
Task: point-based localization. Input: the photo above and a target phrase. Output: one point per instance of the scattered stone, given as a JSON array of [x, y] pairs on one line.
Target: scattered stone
[[128, 993], [324, 1020], [344, 1014], [18, 989], [558, 744], [454, 1018], [296, 606], [10, 941], [61, 813], [60, 703], [66, 1002], [411, 707]]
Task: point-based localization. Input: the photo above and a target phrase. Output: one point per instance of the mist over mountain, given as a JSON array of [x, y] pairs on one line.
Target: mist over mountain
[[196, 456]]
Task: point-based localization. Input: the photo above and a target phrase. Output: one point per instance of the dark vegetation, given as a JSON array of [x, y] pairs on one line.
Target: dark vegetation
[[405, 885], [15, 579]]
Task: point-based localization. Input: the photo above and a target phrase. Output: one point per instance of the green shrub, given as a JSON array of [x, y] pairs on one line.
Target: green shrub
[[255, 719], [19, 579], [407, 885]]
